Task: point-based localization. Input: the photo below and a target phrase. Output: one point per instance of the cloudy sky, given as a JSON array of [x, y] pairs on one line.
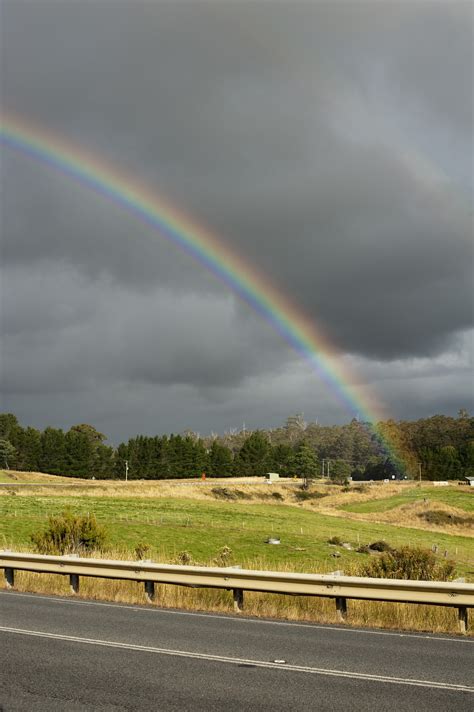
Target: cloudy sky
[[328, 143]]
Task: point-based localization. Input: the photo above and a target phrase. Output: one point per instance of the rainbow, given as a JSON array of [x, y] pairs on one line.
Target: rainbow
[[173, 224]]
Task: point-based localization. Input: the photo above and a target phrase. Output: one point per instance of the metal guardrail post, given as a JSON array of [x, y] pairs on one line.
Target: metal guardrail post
[[10, 577], [463, 620], [150, 590], [74, 583], [341, 607], [238, 595]]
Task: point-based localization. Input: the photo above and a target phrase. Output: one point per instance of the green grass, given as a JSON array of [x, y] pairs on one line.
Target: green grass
[[5, 477], [171, 525], [460, 498]]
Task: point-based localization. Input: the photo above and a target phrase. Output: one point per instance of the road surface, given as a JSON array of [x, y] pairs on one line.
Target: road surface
[[63, 654]]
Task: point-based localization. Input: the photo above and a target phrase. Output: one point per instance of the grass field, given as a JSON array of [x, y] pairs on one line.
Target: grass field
[[462, 498], [202, 528], [5, 476]]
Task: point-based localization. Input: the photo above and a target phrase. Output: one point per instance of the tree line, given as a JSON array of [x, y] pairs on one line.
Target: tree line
[[436, 448]]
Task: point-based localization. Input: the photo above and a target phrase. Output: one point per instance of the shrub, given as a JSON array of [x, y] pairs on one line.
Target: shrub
[[141, 550], [304, 495], [336, 540], [67, 533], [381, 545], [225, 493], [240, 494], [224, 556], [185, 558], [360, 488], [277, 495], [222, 493], [363, 549], [445, 518], [409, 563]]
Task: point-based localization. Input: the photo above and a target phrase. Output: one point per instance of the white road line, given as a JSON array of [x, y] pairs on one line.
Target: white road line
[[242, 661], [240, 619]]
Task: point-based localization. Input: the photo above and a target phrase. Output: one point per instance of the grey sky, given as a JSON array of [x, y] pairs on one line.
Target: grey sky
[[329, 143]]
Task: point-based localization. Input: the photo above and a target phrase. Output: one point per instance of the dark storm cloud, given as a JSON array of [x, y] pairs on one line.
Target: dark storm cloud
[[434, 63], [79, 331], [325, 142]]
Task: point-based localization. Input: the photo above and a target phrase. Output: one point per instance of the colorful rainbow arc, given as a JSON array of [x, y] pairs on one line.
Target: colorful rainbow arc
[[238, 275]]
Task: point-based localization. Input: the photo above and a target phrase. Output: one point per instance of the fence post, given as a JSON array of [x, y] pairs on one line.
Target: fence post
[[238, 595], [150, 591], [341, 608], [10, 577], [74, 583], [463, 620]]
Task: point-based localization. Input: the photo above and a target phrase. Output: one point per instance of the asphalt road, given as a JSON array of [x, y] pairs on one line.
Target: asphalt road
[[61, 654]]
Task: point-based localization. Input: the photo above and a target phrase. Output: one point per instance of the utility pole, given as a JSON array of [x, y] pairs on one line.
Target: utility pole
[[126, 470]]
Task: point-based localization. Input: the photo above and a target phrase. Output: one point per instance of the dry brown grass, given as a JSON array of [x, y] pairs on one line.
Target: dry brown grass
[[19, 477], [258, 491], [187, 489], [434, 619]]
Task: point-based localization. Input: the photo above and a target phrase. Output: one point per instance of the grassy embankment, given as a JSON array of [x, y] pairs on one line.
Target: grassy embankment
[[5, 476], [460, 497], [199, 523]]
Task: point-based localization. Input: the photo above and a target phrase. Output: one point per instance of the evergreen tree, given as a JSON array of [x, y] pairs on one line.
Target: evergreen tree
[[340, 470], [282, 459], [164, 458], [378, 469], [200, 459], [468, 459], [134, 458], [253, 457], [186, 457], [121, 457], [53, 451], [446, 464], [220, 461], [9, 427], [29, 455], [158, 460], [103, 463], [93, 435], [79, 454], [306, 464], [146, 452], [7, 454], [175, 457]]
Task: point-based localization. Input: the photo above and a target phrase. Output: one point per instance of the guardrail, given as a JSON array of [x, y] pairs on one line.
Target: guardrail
[[340, 588]]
